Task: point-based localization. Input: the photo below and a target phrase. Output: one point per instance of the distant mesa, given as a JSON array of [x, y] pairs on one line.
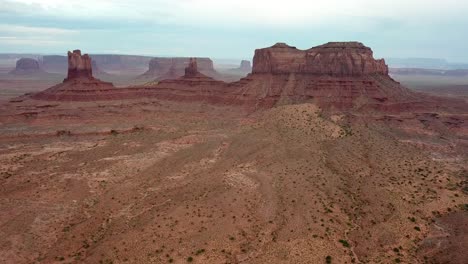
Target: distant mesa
[[164, 68], [192, 76], [430, 72], [97, 71], [27, 66], [54, 63]]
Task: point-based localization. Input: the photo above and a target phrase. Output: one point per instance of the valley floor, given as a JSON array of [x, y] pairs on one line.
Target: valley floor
[[158, 182]]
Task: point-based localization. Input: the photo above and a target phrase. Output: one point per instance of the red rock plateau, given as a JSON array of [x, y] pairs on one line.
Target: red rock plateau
[[336, 75], [27, 66], [317, 156]]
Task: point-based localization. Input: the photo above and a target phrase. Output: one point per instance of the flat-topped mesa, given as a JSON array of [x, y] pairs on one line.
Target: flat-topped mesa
[[161, 66], [343, 59], [79, 66], [25, 66], [97, 71], [338, 59], [278, 59]]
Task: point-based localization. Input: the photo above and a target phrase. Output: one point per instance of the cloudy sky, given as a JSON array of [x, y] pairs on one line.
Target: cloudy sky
[[233, 29]]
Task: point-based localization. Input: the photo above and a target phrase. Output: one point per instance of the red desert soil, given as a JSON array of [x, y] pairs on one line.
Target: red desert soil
[[292, 164]]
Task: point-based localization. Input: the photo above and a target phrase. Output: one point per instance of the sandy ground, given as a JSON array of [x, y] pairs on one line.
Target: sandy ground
[[163, 182]]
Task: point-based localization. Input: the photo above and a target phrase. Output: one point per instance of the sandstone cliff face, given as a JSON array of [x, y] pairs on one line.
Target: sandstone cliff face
[[343, 59], [79, 66], [334, 59], [25, 66], [278, 59]]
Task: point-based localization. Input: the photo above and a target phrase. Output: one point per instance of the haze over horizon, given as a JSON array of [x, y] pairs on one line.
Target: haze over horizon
[[233, 29]]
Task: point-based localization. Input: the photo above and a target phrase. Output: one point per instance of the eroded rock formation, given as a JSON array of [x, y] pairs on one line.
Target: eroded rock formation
[[79, 66], [343, 59], [79, 84], [334, 59], [159, 67], [26, 66], [340, 76]]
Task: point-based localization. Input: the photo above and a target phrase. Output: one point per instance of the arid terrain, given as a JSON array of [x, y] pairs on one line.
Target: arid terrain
[[303, 161]]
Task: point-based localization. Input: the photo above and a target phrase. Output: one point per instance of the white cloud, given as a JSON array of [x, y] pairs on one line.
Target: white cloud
[[34, 36], [18, 29], [32, 41], [259, 12]]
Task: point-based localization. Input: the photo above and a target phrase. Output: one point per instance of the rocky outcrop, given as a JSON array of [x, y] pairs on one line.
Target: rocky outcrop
[[278, 59], [335, 76], [26, 66], [79, 84], [159, 67], [343, 59], [339, 59], [79, 66]]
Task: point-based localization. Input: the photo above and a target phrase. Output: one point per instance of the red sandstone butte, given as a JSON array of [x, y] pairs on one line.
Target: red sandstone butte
[[79, 66], [79, 84], [341, 76], [333, 59]]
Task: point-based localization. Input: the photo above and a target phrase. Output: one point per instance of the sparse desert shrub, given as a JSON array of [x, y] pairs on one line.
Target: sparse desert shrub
[[137, 128], [61, 133], [189, 259], [328, 259], [344, 243], [200, 251]]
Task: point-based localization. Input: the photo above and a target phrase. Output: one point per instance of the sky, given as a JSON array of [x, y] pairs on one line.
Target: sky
[[234, 29]]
